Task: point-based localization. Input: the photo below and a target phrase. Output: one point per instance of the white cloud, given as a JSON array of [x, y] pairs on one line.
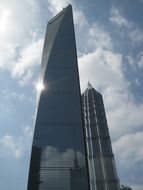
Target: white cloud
[[136, 62], [16, 32], [16, 146], [102, 68], [29, 57], [7, 55], [137, 187], [131, 60], [7, 95], [5, 14], [25, 79], [15, 29], [140, 57], [98, 37], [124, 116], [128, 149], [136, 35], [79, 18], [89, 35], [9, 144], [137, 82], [27, 135], [118, 19], [56, 6]]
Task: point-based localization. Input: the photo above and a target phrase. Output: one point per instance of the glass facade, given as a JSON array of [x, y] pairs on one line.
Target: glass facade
[[58, 158], [101, 162]]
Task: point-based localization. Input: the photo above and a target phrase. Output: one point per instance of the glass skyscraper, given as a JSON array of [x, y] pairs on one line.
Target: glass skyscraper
[[103, 175], [58, 159], [71, 147]]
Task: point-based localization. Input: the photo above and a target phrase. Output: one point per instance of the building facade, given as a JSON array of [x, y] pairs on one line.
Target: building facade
[[59, 158], [102, 170]]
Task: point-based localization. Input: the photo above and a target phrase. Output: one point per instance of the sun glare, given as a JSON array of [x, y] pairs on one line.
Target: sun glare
[[40, 86]]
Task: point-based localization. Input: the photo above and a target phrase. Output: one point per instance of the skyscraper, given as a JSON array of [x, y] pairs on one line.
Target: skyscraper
[[103, 175], [58, 158]]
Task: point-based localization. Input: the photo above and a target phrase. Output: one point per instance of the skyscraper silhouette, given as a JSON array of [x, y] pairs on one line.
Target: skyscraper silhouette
[[103, 175], [58, 158]]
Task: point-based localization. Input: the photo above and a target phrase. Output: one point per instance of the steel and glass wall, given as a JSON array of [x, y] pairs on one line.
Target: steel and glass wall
[[58, 159], [101, 162]]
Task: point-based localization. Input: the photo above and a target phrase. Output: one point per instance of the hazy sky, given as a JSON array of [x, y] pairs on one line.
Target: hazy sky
[[109, 36]]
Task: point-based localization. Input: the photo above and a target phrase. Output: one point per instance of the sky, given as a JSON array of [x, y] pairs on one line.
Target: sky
[[109, 37]]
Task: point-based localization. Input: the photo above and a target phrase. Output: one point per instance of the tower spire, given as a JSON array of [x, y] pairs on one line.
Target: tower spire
[[89, 84]]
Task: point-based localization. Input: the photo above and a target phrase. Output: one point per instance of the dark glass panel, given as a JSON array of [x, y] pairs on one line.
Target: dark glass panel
[[98, 168], [106, 147]]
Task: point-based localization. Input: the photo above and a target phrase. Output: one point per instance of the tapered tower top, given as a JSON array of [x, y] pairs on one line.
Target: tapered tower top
[[65, 9]]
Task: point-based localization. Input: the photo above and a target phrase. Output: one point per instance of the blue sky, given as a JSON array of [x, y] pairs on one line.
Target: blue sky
[[109, 36]]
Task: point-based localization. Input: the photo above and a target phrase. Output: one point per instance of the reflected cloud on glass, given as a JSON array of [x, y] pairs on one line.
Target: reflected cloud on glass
[[62, 170]]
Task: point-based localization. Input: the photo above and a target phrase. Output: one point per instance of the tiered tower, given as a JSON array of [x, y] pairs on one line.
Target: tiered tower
[[103, 175]]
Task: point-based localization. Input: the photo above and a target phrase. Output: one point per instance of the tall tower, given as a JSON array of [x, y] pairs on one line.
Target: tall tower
[[58, 158], [101, 162]]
